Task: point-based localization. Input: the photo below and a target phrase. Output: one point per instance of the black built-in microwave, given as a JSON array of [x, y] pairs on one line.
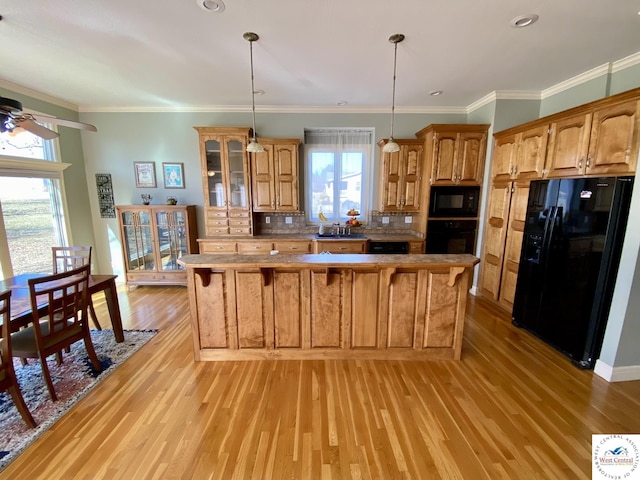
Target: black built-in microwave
[[454, 202]]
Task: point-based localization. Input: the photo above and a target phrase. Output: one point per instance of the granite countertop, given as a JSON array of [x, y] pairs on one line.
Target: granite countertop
[[327, 260], [279, 237]]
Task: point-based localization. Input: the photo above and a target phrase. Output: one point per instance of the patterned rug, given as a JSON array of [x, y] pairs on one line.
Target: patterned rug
[[72, 380]]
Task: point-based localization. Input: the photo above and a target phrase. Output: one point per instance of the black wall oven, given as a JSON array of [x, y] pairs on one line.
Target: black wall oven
[[454, 202], [451, 236]]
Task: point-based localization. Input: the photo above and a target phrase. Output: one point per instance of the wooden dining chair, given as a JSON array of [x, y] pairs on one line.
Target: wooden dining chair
[[60, 323], [8, 380], [68, 258]]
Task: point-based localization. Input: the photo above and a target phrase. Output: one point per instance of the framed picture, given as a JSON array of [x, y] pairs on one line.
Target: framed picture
[[145, 174], [173, 174]]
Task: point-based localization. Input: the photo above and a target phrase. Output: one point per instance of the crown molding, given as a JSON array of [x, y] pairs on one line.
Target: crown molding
[[577, 80], [14, 87], [626, 62], [503, 95]]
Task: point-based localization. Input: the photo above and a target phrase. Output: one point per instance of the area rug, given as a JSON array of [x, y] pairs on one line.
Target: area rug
[[72, 380]]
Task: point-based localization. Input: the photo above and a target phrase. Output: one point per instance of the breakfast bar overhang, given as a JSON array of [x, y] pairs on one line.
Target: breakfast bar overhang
[[386, 307]]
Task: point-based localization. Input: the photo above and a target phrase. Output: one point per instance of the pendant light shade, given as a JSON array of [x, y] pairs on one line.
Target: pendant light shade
[[391, 146], [254, 146]]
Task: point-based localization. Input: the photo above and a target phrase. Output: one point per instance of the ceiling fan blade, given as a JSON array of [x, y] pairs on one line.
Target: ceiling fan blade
[[65, 123], [31, 126]]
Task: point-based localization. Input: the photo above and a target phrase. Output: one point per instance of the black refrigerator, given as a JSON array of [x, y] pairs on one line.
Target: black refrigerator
[[573, 235]]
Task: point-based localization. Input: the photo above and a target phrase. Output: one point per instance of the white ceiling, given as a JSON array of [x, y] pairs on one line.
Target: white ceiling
[[312, 53]]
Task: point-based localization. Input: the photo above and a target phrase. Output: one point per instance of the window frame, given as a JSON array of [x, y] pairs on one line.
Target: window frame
[[365, 184], [51, 168]]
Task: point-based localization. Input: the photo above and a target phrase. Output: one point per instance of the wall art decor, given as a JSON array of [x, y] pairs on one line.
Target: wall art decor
[[105, 195], [173, 174], [145, 174]]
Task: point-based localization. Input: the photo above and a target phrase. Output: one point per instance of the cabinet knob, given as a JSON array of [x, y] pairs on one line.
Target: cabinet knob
[[588, 162], [580, 164]]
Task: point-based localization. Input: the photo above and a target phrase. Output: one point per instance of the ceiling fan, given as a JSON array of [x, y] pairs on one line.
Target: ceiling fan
[[12, 116]]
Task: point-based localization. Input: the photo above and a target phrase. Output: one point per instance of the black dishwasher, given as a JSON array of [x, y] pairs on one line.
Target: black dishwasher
[[388, 248]]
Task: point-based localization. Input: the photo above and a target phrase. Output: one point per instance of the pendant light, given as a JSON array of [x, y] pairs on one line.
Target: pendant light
[[391, 146], [254, 146]]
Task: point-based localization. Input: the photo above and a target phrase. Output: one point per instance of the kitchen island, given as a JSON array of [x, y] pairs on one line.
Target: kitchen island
[[402, 307]]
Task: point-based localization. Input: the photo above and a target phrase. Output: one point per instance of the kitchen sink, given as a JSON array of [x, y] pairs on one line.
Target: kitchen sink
[[340, 235]]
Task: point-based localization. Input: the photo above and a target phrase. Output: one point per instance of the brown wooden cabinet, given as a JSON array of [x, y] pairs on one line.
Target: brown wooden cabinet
[[153, 238], [225, 180], [274, 176], [521, 155], [401, 176], [328, 309], [455, 154], [341, 246], [614, 140], [568, 146], [503, 236]]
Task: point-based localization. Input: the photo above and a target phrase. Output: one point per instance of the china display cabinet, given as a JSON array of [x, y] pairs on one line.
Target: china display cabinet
[[153, 238], [225, 180]]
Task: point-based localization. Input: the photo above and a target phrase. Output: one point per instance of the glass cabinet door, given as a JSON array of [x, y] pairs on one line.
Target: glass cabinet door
[[237, 174], [172, 244], [217, 194], [138, 243]]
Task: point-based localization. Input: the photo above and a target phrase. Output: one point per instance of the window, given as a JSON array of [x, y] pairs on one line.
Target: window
[[338, 172], [31, 199]]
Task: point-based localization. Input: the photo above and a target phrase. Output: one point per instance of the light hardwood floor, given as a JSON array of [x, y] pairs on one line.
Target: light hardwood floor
[[511, 408]]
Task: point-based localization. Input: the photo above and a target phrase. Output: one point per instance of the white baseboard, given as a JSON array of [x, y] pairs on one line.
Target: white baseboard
[[617, 374], [474, 291]]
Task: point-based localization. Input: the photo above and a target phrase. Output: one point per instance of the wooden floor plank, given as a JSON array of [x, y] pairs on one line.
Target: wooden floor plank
[[511, 408]]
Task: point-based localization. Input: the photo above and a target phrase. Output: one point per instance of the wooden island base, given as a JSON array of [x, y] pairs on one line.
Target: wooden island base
[[291, 307]]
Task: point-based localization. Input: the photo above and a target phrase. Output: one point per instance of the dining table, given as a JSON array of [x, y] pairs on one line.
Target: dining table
[[21, 314]]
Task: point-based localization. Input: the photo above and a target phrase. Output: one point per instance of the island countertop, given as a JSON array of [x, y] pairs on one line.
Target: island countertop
[[327, 260]]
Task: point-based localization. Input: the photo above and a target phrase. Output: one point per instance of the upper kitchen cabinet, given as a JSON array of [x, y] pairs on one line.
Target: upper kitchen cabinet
[[455, 153], [601, 141], [274, 176], [401, 176], [613, 145], [568, 146], [519, 155], [225, 180]]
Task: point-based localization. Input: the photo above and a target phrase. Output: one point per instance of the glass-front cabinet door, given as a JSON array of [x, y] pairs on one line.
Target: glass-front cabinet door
[[172, 245], [216, 183], [237, 173], [138, 240]]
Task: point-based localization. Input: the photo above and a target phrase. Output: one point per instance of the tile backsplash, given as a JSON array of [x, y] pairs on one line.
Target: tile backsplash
[[294, 223]]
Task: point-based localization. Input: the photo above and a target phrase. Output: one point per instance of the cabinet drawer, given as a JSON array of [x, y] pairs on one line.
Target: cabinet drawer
[[218, 247], [240, 230], [237, 214], [239, 222], [217, 230], [293, 247], [346, 246], [254, 247], [217, 222], [416, 247], [216, 214]]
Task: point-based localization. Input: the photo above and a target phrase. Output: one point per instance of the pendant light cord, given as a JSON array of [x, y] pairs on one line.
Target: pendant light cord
[[253, 100], [393, 95]]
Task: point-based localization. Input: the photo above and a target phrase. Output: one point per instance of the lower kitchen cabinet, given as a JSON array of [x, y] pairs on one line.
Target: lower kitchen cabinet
[[153, 238], [328, 310], [341, 246]]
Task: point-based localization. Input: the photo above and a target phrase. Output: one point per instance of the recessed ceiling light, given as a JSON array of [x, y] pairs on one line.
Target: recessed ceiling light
[[341, 103], [216, 6], [258, 92], [524, 20], [435, 93]]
